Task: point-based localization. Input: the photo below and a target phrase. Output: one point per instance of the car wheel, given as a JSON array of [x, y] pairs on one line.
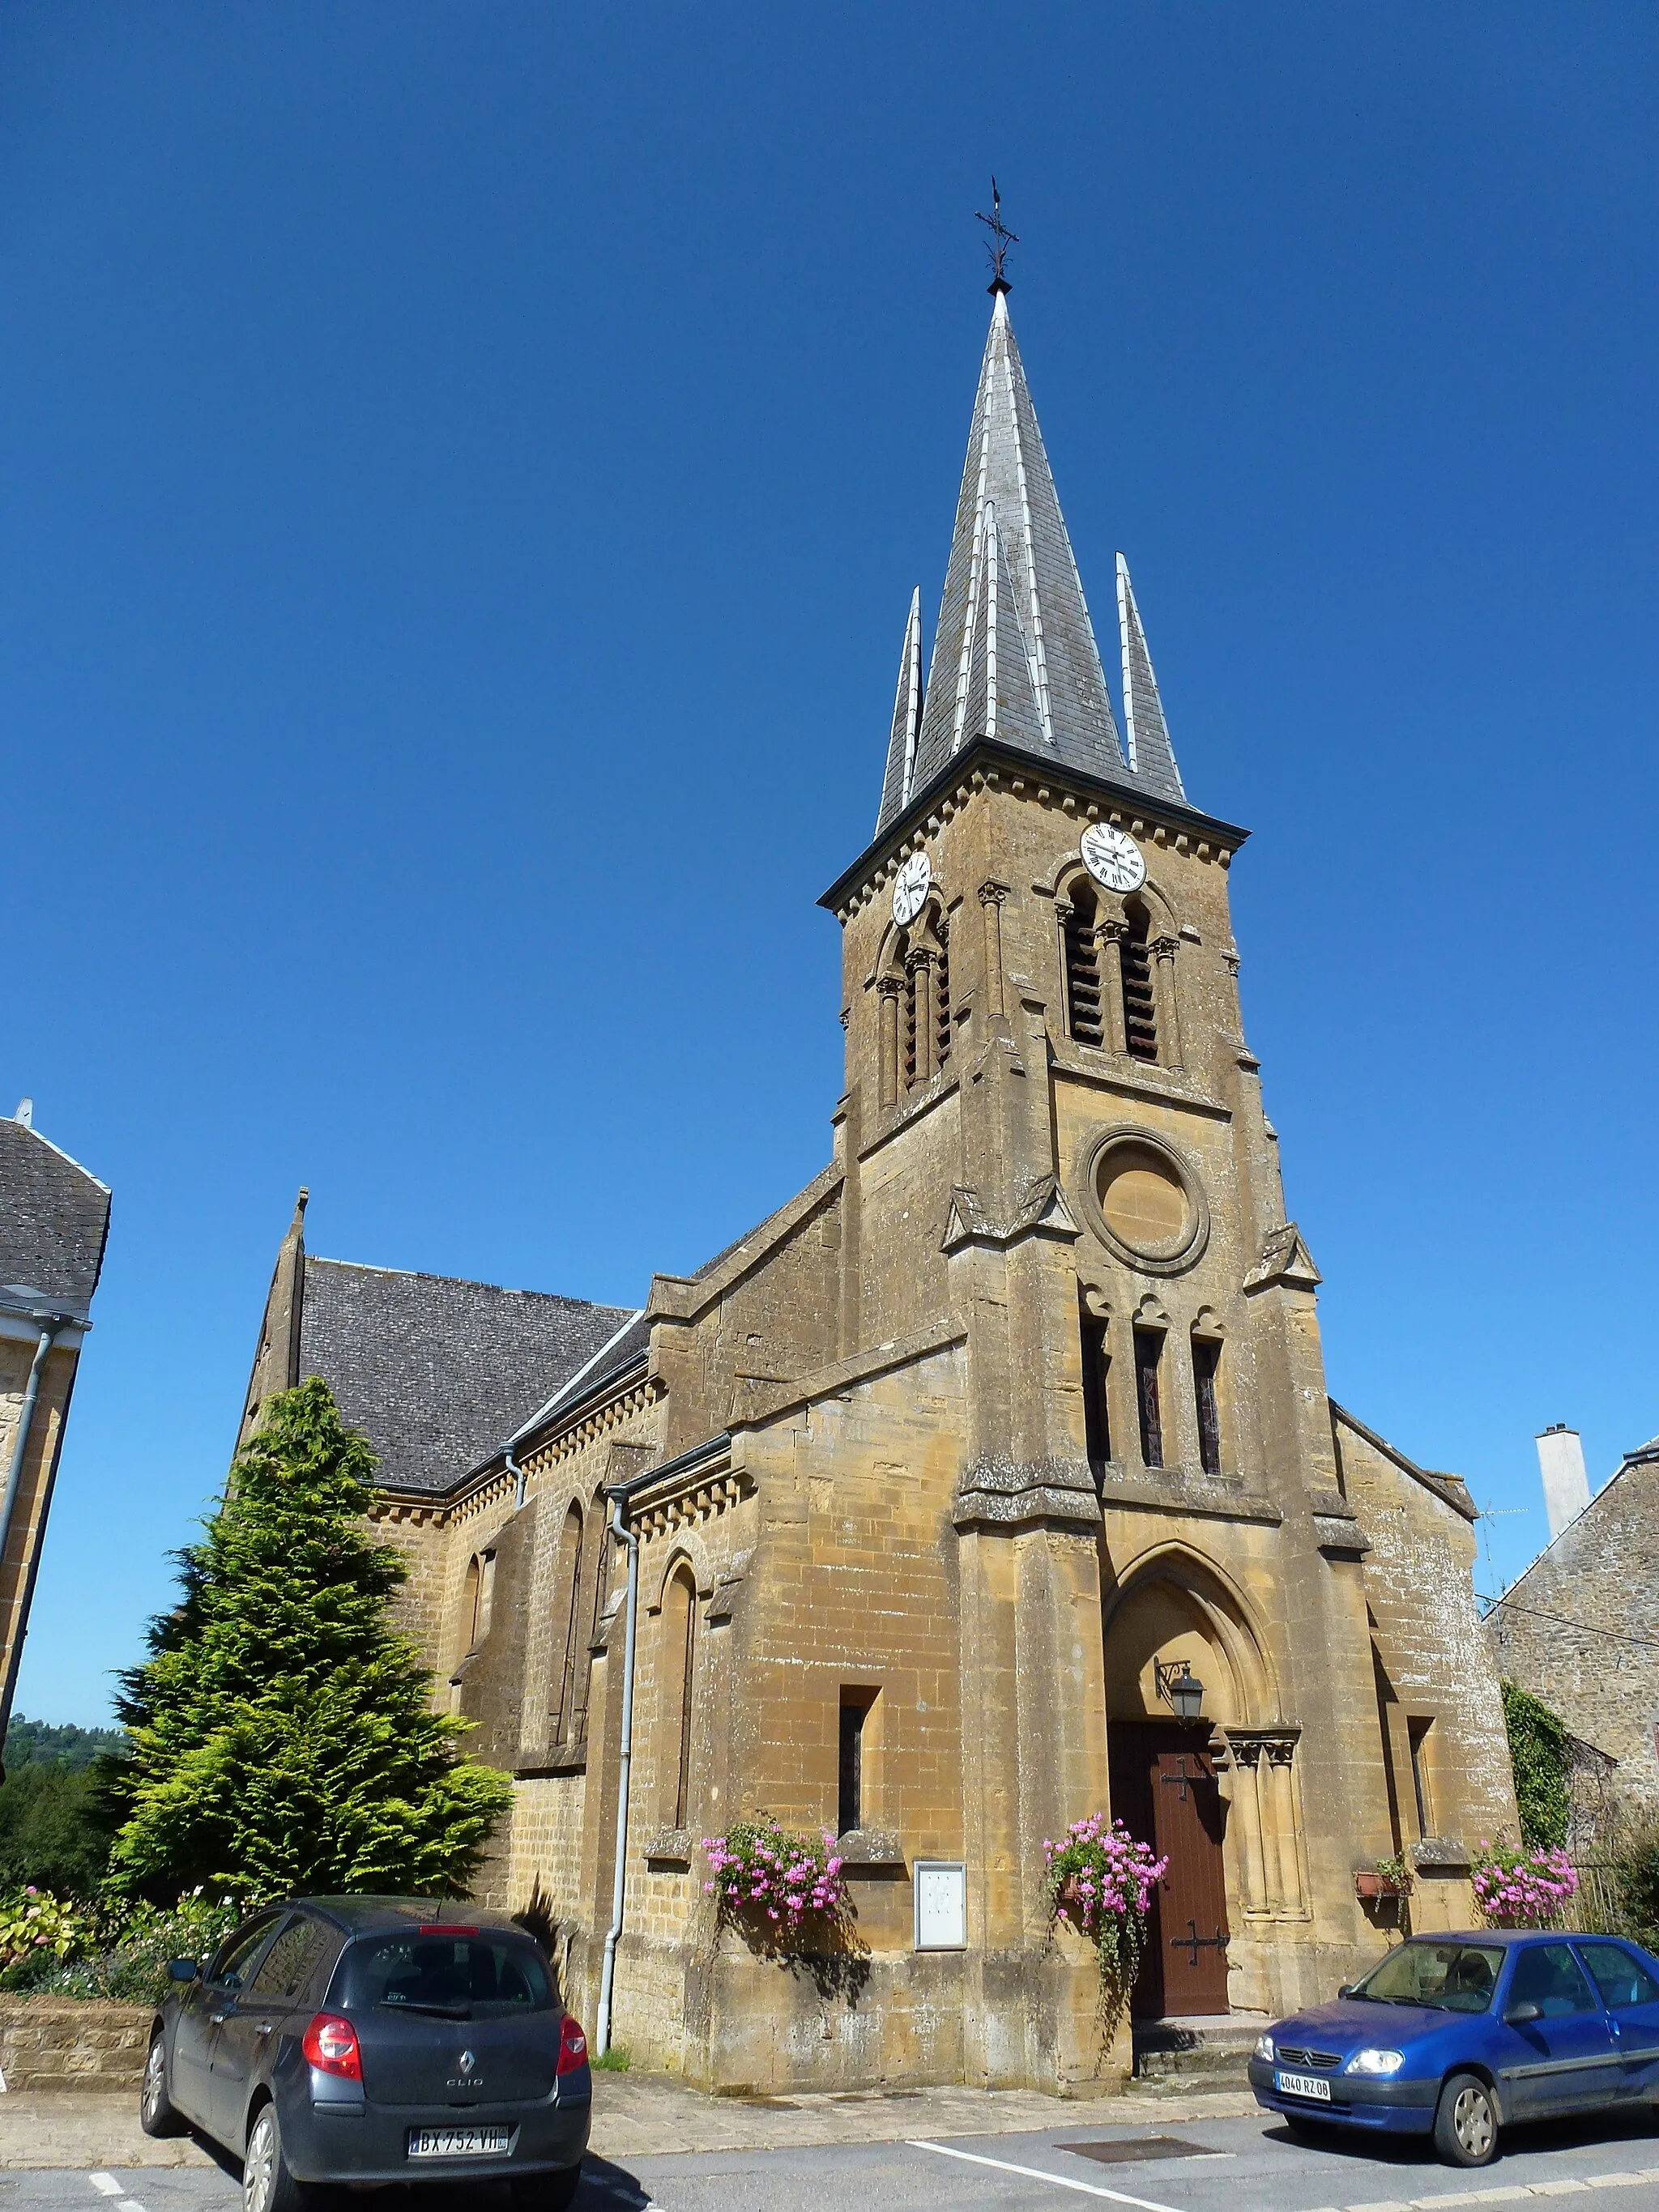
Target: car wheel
[[548, 2192], [1466, 2122], [267, 2184], [157, 2115]]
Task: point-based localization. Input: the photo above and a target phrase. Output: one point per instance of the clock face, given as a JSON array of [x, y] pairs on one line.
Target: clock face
[[910, 887], [1112, 857]]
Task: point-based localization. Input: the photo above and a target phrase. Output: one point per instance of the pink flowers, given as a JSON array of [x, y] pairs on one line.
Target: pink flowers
[[791, 1879], [1523, 1888], [1101, 1882]]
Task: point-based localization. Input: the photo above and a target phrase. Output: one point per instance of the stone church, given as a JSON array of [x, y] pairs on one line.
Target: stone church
[[961, 1481]]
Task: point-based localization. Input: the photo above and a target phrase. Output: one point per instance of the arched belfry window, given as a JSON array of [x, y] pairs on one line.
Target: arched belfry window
[[915, 1002], [1140, 995], [1083, 1017], [679, 1668]]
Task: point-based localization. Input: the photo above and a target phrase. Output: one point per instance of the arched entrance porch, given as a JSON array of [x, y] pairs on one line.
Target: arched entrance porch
[[1215, 1795]]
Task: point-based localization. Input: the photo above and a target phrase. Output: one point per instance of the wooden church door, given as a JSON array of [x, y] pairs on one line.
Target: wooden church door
[[1164, 1792]]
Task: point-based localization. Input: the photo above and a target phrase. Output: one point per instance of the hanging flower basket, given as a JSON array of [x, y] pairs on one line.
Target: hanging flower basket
[[1100, 1882], [785, 1889]]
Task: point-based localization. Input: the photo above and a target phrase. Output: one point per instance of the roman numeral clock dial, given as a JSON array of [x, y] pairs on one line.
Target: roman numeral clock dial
[[910, 889], [1112, 857]]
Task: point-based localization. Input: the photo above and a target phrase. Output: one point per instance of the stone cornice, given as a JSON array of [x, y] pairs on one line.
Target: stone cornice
[[984, 764]]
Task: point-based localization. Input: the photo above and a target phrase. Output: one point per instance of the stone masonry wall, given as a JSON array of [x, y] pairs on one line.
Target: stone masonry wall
[[1581, 1628], [72, 2043]]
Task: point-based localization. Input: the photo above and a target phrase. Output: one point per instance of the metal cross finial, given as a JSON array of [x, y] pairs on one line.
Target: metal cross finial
[[1001, 239]]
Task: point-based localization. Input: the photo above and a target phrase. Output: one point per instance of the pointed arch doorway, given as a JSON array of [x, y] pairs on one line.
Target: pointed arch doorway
[[1174, 1616]]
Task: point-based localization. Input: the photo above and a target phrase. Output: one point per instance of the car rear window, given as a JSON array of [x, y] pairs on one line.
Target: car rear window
[[481, 1975], [1455, 1977]]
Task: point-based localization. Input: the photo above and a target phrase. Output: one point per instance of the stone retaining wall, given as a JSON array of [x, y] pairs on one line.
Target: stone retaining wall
[[72, 2043]]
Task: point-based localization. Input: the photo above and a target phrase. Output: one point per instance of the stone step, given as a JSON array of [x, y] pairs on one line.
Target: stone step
[[1214, 2050]]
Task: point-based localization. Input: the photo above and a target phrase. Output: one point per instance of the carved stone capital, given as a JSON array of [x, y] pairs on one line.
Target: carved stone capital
[[889, 986], [1113, 928], [918, 958], [1166, 947], [993, 893]]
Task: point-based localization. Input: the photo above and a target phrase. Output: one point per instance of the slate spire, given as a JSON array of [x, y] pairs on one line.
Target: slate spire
[[1008, 466], [1151, 756], [995, 693], [1015, 655], [907, 720]]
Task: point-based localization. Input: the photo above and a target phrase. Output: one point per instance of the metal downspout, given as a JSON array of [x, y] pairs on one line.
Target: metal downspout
[[518, 1475], [623, 1534]]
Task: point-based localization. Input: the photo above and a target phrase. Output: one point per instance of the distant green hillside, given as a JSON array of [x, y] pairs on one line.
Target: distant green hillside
[[38, 1743]]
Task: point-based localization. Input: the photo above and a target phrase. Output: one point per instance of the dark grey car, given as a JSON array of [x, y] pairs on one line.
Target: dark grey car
[[371, 2039]]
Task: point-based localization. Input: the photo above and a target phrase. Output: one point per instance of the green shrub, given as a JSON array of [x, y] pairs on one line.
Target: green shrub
[[283, 1735]]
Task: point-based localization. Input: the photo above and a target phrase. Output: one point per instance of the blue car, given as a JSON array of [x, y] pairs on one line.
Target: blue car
[[1456, 2036]]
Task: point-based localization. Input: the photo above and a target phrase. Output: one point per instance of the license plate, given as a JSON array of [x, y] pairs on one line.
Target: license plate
[[1303, 2085], [459, 2143]]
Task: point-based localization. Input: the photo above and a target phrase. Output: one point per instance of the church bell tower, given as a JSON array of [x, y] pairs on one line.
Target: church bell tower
[[1053, 1139]]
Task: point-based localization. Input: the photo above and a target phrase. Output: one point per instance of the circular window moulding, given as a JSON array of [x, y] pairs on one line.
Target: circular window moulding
[[1143, 1200]]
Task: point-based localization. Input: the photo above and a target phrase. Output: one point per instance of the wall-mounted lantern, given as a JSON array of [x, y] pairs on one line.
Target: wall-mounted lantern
[[1180, 1689]]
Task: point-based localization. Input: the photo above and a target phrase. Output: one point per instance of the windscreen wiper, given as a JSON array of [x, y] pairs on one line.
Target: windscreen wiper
[[442, 2012]]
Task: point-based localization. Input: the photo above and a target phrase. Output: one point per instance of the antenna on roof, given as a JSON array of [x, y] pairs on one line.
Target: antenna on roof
[[25, 1113], [1001, 239]]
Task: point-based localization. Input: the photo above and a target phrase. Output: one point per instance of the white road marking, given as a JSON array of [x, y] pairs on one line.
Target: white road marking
[[1038, 2173], [128, 2204], [1512, 2195], [106, 2185]]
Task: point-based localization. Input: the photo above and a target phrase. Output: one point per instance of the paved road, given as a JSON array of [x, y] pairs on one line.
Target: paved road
[[1219, 2166]]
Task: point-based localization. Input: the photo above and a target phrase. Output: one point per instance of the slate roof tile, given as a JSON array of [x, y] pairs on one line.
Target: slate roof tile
[[437, 1371]]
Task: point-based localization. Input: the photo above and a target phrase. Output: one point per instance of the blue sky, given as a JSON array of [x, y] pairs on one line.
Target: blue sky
[[465, 469]]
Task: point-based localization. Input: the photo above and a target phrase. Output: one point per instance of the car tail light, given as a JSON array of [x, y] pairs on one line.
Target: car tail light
[[573, 2046], [331, 2045]]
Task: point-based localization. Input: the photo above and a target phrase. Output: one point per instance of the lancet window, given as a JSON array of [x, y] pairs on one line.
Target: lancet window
[[679, 1650], [567, 1611]]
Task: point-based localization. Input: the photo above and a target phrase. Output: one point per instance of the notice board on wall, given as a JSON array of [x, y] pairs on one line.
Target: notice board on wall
[[941, 1888]]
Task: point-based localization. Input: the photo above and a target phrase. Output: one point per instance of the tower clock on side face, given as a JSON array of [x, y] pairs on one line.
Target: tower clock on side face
[[1112, 857], [910, 889]]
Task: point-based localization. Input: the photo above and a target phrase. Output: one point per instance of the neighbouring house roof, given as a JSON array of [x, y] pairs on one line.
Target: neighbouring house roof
[[436, 1371], [54, 1222]]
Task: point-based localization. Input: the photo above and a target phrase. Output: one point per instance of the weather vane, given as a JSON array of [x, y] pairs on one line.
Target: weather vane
[[1001, 240]]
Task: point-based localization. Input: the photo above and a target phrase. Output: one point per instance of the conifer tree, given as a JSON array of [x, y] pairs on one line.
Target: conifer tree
[[283, 1739]]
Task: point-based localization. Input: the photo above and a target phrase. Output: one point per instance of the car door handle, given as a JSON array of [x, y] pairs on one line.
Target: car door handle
[[218, 2018], [264, 2028]]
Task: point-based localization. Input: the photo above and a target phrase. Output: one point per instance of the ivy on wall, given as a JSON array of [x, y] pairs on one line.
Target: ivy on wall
[[1540, 1754]]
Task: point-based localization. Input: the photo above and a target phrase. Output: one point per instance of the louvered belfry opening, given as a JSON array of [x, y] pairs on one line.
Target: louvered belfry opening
[[942, 994], [912, 984], [1082, 1009], [1139, 1002]]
